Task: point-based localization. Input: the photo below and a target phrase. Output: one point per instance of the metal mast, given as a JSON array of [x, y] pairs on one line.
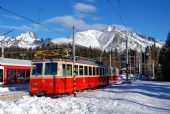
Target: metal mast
[[74, 68], [127, 64]]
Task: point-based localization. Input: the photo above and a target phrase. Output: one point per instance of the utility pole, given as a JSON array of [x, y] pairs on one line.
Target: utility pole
[[2, 48], [110, 60], [130, 64], [74, 67], [153, 68], [110, 63], [139, 59], [144, 65], [150, 66], [127, 72]]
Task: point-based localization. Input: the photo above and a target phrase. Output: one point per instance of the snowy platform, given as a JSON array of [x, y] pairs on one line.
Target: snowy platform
[[140, 97], [13, 89]]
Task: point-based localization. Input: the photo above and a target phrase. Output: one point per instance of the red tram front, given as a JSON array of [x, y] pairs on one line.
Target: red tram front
[[55, 76]]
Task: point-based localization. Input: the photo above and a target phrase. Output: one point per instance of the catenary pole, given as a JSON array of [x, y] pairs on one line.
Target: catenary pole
[[127, 64], [74, 68]]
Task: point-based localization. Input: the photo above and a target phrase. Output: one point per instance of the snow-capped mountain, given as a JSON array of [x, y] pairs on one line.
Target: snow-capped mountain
[[114, 37], [24, 40], [86, 39]]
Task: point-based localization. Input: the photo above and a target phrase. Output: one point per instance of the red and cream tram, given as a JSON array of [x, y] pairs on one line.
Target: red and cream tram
[[55, 76], [14, 71]]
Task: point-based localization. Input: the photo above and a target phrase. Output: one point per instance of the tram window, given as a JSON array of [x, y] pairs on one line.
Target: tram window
[[20, 75], [90, 70], [85, 70], [27, 75], [94, 70], [80, 70], [1, 75], [69, 70], [37, 69], [98, 71], [51, 68], [11, 75], [76, 70], [105, 73], [64, 69], [101, 71]]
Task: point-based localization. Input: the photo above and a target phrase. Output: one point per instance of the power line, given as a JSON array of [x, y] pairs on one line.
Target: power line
[[117, 14], [31, 20], [8, 32], [123, 12], [126, 15]]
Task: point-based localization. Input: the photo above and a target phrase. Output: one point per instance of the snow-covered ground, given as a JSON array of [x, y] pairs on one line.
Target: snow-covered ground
[[140, 97]]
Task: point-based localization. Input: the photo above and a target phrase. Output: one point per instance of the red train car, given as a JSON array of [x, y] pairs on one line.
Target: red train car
[[55, 76], [14, 71]]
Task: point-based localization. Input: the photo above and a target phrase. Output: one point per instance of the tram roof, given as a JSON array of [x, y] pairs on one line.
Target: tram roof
[[15, 62], [70, 59]]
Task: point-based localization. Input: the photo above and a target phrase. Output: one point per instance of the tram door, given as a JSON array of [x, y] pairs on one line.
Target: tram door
[[1, 74]]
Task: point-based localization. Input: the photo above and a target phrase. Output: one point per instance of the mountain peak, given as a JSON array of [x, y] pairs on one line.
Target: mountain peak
[[117, 28], [27, 36]]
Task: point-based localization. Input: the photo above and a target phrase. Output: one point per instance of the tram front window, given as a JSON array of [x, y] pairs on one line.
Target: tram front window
[[37, 69], [1, 75], [50, 68]]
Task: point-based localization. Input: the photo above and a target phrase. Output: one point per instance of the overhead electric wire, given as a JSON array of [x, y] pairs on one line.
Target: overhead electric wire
[[8, 32], [31, 20], [117, 14], [123, 12]]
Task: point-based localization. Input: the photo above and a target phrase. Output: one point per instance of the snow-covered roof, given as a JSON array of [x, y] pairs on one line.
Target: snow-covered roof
[[8, 61]]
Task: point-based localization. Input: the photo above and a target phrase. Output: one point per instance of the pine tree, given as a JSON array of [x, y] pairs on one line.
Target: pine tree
[[164, 59]]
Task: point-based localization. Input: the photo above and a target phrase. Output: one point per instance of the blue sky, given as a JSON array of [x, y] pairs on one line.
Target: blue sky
[[150, 17]]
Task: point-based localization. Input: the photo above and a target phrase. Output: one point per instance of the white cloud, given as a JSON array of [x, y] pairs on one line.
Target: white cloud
[[80, 24], [80, 7], [69, 21], [20, 28], [32, 27], [81, 15], [12, 17]]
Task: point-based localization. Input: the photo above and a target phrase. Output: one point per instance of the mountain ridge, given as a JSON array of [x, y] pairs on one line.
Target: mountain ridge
[[113, 37]]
